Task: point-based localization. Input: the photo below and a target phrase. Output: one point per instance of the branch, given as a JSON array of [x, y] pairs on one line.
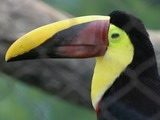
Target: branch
[[68, 79]]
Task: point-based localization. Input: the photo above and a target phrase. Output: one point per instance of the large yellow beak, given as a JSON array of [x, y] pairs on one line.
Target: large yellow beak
[[80, 37]]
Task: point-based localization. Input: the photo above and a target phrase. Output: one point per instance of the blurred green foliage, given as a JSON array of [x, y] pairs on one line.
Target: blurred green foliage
[[146, 10], [22, 102]]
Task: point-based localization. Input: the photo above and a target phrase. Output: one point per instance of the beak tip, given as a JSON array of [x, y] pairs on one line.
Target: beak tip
[[7, 58], [8, 55]]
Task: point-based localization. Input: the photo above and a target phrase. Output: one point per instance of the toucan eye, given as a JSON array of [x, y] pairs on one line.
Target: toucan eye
[[115, 35]]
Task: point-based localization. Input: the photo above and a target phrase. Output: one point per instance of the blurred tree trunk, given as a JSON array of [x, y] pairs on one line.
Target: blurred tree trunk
[[68, 79]]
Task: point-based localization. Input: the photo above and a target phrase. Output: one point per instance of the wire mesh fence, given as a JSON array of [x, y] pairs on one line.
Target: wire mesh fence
[[68, 79]]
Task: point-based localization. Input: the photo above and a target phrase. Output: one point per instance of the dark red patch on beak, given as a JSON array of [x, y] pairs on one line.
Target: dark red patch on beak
[[91, 41], [81, 41]]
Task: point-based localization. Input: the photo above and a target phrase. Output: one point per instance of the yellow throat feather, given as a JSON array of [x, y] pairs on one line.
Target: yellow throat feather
[[108, 67]]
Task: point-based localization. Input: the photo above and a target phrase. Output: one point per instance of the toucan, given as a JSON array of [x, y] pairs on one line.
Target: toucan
[[125, 83]]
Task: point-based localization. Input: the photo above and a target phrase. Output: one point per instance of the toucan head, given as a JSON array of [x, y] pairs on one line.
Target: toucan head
[[116, 41]]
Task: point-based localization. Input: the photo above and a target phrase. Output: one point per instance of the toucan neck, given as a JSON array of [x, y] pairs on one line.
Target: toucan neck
[[105, 74], [146, 74], [108, 69], [126, 93], [137, 72]]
